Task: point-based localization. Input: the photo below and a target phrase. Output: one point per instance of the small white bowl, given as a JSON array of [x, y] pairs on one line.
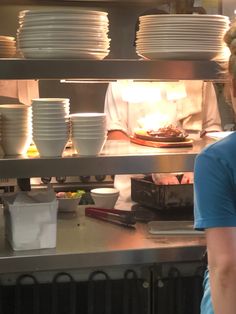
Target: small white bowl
[[68, 204], [105, 197], [88, 146], [50, 147], [16, 145]]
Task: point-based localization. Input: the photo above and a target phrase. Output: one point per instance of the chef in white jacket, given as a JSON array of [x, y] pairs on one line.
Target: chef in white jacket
[[190, 105], [18, 91]]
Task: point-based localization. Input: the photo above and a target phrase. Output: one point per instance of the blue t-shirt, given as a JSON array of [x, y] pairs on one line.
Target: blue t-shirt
[[215, 194], [215, 185]]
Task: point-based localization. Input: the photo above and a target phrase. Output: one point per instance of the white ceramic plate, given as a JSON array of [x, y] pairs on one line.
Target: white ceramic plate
[[64, 22], [54, 36], [43, 28], [173, 30], [61, 11], [179, 55], [7, 38], [191, 17], [49, 53]]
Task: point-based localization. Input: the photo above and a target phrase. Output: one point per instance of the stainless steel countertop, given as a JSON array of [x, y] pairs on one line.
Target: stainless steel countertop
[[84, 242]]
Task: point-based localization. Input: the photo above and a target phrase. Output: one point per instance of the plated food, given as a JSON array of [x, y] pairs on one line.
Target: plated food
[[169, 133]]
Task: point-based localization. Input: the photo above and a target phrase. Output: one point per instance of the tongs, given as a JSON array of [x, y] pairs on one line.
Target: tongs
[[122, 217]]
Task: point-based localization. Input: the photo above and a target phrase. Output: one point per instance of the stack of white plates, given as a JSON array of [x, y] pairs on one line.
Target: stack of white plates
[[15, 128], [50, 125], [89, 133], [7, 47], [182, 36], [63, 33]]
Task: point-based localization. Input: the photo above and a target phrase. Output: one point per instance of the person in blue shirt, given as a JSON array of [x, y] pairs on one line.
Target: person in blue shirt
[[215, 212]]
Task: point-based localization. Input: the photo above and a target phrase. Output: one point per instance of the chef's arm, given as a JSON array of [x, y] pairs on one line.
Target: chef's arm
[[117, 135], [221, 243]]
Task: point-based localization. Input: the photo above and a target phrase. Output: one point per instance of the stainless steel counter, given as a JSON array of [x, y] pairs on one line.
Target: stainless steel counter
[[84, 242]]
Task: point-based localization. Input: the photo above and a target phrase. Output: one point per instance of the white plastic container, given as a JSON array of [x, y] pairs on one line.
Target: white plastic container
[[30, 226]]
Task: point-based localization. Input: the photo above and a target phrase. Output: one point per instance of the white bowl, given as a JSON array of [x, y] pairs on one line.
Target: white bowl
[[50, 147], [51, 119], [88, 146], [90, 132], [88, 116], [68, 204], [84, 127], [46, 129], [50, 101], [16, 145], [105, 197]]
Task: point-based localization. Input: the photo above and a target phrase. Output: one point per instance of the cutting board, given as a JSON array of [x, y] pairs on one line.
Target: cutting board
[[139, 141]]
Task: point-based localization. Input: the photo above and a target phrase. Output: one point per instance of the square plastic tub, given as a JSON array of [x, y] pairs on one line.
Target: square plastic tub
[[30, 226]]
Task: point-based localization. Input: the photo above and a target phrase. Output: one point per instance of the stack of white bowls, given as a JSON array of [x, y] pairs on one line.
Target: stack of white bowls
[[16, 128], [63, 33], [182, 36], [88, 132], [7, 47], [50, 125]]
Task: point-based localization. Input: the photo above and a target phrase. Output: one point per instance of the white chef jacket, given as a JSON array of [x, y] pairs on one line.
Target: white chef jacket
[[23, 90], [191, 105]]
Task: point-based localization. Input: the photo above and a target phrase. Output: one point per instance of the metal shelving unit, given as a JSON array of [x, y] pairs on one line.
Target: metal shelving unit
[[118, 157], [111, 70]]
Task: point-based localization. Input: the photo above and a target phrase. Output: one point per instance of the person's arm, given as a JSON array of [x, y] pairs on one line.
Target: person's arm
[[211, 120], [116, 112], [117, 135], [221, 248]]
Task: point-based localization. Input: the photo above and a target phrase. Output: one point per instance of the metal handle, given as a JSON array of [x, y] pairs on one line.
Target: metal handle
[[72, 293], [18, 294], [91, 294]]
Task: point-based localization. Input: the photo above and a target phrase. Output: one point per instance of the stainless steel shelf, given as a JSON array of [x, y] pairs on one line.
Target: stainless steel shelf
[[117, 157], [110, 69]]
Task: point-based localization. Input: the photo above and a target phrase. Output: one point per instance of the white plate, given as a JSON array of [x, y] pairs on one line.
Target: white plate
[[173, 30], [48, 53], [180, 31], [77, 45], [7, 38], [179, 55], [219, 135], [75, 20], [166, 47], [194, 17], [179, 36], [45, 35], [61, 11], [74, 28]]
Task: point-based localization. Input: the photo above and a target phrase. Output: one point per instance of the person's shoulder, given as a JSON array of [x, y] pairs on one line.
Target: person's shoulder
[[224, 148]]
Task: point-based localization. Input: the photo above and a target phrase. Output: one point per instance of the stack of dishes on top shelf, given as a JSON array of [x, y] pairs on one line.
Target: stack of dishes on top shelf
[[7, 47], [50, 125], [88, 132], [63, 33], [182, 36], [16, 128]]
